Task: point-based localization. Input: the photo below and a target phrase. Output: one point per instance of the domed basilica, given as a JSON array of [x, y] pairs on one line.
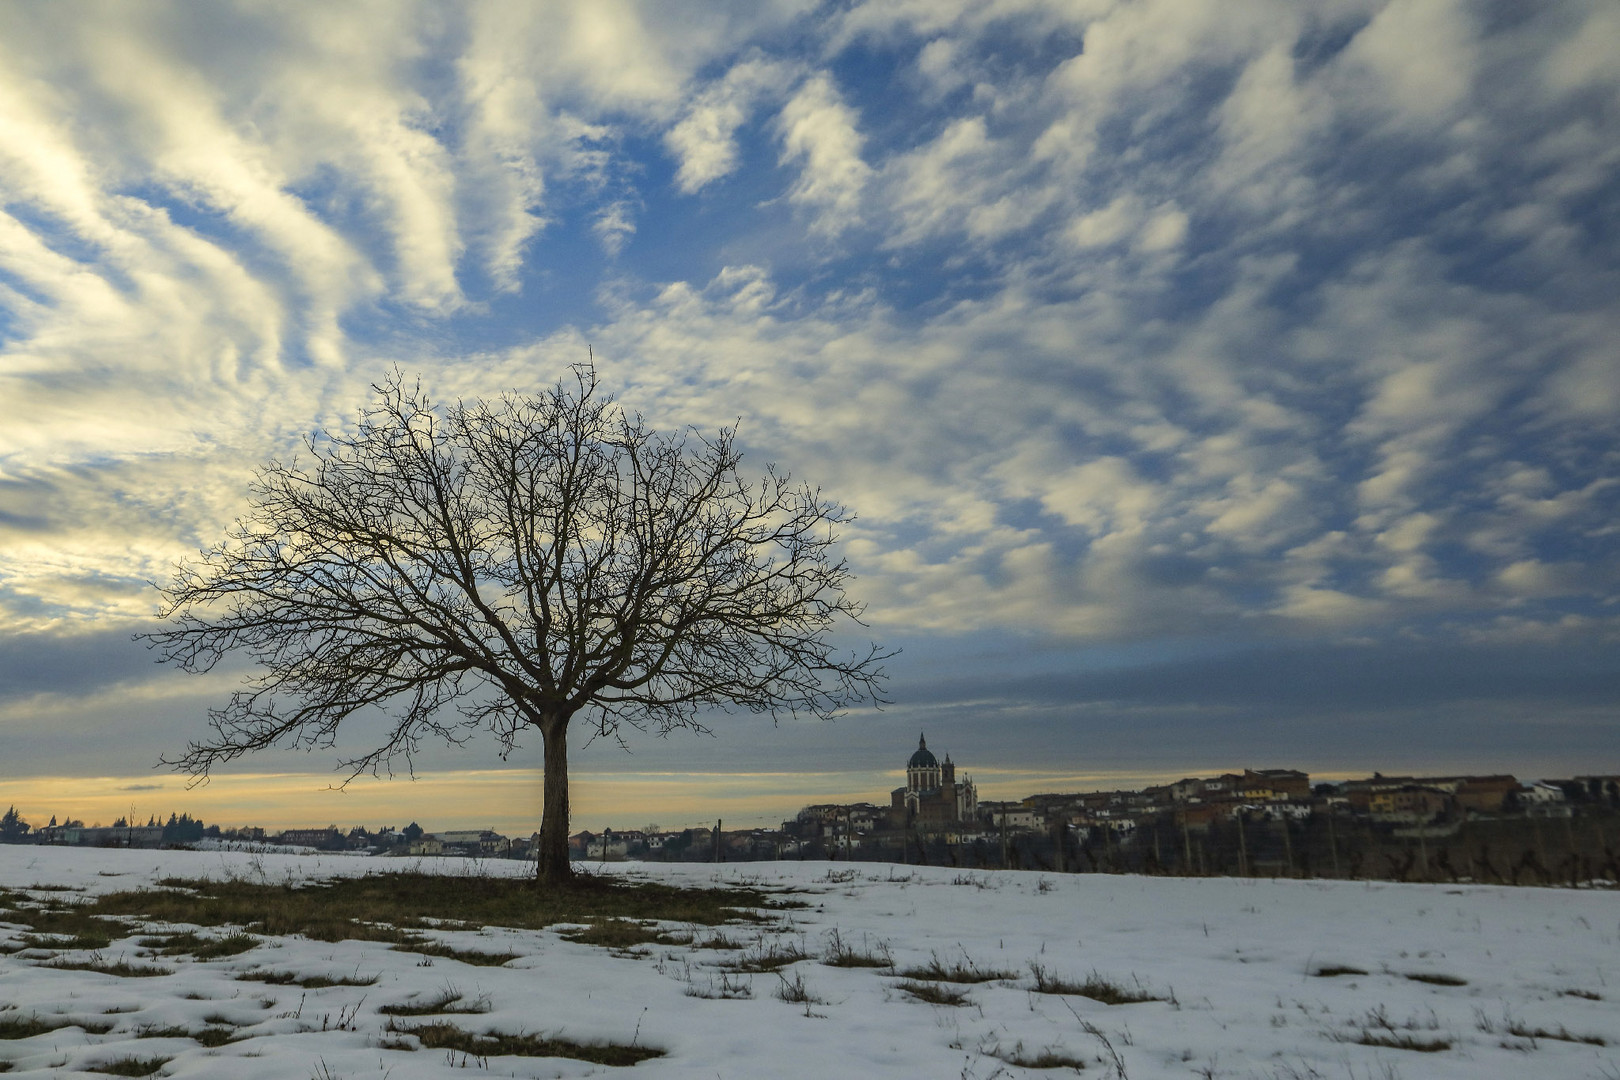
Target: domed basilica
[[933, 795]]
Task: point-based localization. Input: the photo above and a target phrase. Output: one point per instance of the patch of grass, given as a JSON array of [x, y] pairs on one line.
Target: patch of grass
[[965, 972], [720, 941], [727, 989], [119, 968], [1332, 971], [934, 993], [466, 956], [26, 1027], [1563, 1034], [794, 991], [5, 1066], [840, 954], [495, 1044], [387, 906], [202, 947], [78, 926], [208, 1036], [1436, 980], [16, 1026], [51, 943], [449, 1001], [130, 1066], [308, 982], [1094, 986], [620, 934], [763, 958], [1377, 1029], [1584, 995], [1049, 1058], [1401, 1040]]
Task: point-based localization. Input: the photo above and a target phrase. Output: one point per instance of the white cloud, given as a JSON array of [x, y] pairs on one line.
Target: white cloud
[[704, 140], [1416, 59], [614, 225], [820, 134]]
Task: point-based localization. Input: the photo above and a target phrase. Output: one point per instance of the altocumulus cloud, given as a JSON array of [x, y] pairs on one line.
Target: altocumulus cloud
[[1123, 326]]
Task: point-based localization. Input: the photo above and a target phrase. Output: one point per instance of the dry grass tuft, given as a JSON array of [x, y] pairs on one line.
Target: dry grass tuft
[[1095, 987], [443, 1036], [764, 958], [1436, 980], [447, 1002], [200, 946], [130, 1066], [965, 972], [842, 955], [119, 968], [308, 982], [26, 1027], [466, 956], [934, 993]]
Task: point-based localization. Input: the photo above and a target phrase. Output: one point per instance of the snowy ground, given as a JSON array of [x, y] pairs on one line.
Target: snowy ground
[[1518, 974]]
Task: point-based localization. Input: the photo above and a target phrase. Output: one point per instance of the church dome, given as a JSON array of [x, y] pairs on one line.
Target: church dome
[[923, 758]]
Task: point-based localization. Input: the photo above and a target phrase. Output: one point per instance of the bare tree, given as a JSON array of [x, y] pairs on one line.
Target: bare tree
[[515, 564]]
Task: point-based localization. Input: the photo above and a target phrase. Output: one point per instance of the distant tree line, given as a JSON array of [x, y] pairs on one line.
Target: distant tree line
[[179, 829]]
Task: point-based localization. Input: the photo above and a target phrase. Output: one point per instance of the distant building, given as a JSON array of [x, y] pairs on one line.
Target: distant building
[[76, 834], [933, 795], [475, 842], [1009, 815], [1602, 789], [1412, 804]]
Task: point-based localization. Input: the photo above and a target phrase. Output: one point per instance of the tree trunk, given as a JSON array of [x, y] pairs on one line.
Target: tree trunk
[[551, 862]]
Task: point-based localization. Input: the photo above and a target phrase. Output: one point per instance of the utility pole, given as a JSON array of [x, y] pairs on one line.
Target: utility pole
[[1243, 846], [1186, 846], [1333, 841]]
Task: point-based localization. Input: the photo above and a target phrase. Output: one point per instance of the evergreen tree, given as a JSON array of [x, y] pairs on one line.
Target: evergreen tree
[[12, 827]]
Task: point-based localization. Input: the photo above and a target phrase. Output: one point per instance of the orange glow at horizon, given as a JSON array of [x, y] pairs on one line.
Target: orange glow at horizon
[[507, 800]]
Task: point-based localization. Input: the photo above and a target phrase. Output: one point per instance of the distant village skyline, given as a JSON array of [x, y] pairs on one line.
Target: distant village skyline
[[1258, 822], [600, 800]]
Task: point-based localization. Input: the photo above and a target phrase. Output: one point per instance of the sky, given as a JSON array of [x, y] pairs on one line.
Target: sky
[[1214, 384]]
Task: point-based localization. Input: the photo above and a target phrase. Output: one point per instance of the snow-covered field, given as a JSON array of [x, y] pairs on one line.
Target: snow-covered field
[[1516, 976]]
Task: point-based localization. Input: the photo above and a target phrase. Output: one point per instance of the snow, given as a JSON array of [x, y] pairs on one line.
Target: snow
[[1233, 959]]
